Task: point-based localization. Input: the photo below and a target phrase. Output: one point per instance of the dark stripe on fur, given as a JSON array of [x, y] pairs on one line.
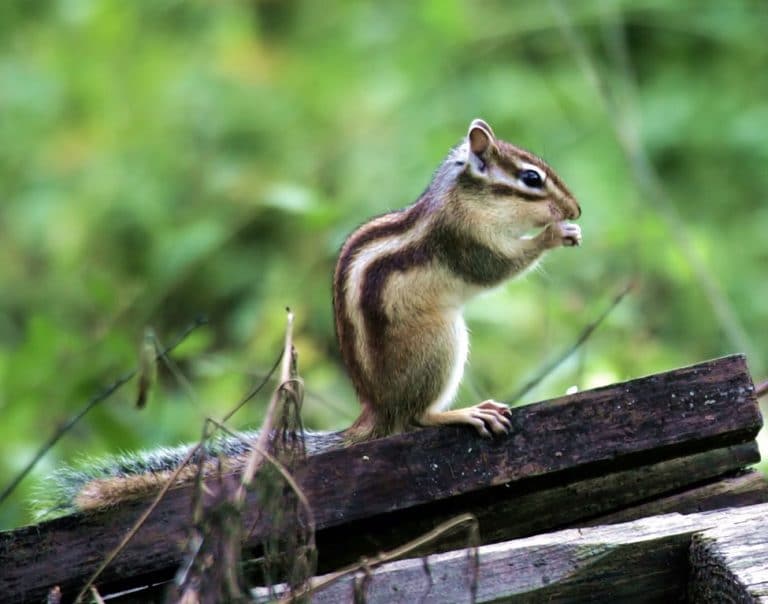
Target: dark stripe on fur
[[468, 182], [469, 259], [345, 331], [374, 281], [500, 189], [509, 150]]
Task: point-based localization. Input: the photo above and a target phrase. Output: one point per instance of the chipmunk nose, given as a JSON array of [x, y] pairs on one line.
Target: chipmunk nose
[[578, 210], [570, 208]]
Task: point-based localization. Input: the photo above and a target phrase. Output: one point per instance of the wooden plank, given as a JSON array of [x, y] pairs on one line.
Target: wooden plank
[[729, 563], [748, 487], [529, 507], [642, 561], [524, 514], [644, 421]]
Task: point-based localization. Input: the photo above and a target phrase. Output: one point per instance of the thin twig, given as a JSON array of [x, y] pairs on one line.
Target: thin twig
[[761, 389], [583, 337], [172, 479], [280, 468], [138, 524], [644, 173], [109, 391], [384, 557], [255, 390], [177, 374]]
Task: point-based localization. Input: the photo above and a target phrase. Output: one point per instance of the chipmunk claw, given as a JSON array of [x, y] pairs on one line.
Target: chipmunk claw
[[494, 416], [489, 418]]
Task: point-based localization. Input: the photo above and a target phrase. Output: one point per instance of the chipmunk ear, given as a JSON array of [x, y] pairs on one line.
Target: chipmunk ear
[[480, 137], [479, 140]]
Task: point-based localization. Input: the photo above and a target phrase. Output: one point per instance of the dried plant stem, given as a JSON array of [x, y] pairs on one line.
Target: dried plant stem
[[172, 479], [54, 595], [761, 389], [281, 469], [218, 535], [256, 456], [96, 596]]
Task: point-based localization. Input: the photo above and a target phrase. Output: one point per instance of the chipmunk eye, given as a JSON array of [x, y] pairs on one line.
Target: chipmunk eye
[[531, 178]]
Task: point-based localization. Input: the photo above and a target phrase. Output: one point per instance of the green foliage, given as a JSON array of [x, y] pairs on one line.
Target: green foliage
[[161, 159]]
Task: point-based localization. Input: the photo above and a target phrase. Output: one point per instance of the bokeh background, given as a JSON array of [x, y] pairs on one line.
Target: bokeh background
[[164, 158]]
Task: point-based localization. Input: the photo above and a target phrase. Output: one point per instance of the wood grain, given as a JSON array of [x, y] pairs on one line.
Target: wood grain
[[729, 562]]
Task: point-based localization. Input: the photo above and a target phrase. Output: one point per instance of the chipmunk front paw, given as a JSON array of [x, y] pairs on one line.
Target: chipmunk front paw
[[558, 234]]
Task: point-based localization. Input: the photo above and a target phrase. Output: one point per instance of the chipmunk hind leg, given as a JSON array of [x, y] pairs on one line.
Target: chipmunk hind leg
[[410, 375], [367, 426], [489, 417]]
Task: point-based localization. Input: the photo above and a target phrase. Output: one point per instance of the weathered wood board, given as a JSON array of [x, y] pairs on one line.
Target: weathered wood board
[[530, 507], [729, 562], [683, 415], [645, 560]]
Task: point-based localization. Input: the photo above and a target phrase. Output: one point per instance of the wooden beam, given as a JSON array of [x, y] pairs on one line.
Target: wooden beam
[[504, 519], [642, 561], [729, 563], [680, 413], [529, 507]]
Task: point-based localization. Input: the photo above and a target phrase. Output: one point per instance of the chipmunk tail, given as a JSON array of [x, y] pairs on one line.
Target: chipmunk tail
[[98, 483]]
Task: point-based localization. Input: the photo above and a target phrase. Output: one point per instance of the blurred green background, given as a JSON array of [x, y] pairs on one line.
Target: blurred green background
[[162, 158]]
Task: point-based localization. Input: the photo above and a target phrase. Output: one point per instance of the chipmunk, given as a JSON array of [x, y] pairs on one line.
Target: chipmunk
[[402, 279], [399, 286]]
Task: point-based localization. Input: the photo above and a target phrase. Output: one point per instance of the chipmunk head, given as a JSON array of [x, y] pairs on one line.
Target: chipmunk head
[[505, 186]]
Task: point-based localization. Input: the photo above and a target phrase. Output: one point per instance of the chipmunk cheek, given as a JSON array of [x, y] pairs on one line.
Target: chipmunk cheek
[[555, 211]]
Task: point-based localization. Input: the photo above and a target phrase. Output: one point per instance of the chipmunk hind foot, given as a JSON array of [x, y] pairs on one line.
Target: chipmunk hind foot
[[488, 418]]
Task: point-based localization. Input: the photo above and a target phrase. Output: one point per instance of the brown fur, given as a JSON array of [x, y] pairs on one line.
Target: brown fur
[[108, 492], [402, 278]]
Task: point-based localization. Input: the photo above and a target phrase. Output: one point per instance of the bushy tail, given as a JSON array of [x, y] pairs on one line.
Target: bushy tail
[[96, 483]]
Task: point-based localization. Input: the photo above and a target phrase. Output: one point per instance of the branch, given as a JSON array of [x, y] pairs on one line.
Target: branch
[[583, 337], [109, 391], [621, 114]]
